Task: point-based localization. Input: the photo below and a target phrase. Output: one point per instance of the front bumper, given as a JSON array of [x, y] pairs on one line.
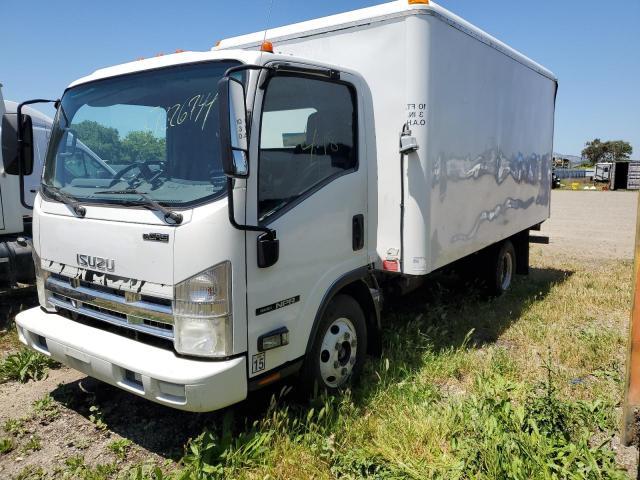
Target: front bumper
[[150, 372]]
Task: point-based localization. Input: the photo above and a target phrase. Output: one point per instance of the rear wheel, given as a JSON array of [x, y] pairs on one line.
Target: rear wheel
[[501, 267], [338, 352]]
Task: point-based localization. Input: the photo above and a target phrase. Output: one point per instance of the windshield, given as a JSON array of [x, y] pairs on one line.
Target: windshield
[[155, 132]]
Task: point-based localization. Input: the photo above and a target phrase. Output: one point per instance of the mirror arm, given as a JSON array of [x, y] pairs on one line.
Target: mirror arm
[[20, 142], [240, 68], [271, 234]]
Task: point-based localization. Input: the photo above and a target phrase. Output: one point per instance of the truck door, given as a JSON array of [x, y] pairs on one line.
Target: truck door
[[308, 181]]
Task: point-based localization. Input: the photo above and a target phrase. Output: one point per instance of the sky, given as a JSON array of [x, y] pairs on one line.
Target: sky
[[592, 46]]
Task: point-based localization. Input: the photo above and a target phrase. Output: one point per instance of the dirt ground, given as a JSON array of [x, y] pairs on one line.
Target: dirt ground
[[88, 416], [591, 225]]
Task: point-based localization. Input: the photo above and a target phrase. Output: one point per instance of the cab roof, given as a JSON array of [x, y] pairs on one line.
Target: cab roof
[[169, 60]]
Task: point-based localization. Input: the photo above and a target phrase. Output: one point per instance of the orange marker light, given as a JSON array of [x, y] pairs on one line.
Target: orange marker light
[[269, 379], [391, 265], [418, 2], [179, 50], [266, 46]]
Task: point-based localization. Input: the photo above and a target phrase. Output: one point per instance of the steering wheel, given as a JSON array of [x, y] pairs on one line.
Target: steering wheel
[[145, 172]]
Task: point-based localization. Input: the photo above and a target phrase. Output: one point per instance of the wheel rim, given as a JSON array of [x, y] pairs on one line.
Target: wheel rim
[[506, 271], [338, 352]]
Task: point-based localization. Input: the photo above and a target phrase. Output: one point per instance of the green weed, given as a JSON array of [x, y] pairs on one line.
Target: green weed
[[25, 365], [76, 468], [46, 409], [6, 445], [15, 426], [33, 444], [32, 472], [147, 472], [97, 418], [120, 447]]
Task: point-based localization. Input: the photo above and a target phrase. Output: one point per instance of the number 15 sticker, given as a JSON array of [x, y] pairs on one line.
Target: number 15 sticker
[[257, 362]]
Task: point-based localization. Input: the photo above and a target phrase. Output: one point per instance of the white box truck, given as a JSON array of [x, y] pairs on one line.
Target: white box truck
[[267, 198], [17, 276]]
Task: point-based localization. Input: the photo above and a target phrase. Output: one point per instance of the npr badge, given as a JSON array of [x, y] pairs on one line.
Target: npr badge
[[275, 306]]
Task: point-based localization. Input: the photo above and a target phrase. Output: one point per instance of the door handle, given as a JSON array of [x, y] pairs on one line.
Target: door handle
[[357, 239]]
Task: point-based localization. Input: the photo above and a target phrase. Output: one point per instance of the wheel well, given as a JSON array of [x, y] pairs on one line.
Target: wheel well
[[359, 291]]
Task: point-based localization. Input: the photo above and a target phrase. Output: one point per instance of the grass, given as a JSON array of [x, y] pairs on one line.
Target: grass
[[523, 386], [25, 365]]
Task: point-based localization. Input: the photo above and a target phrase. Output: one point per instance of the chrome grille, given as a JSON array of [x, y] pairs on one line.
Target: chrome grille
[[125, 309]]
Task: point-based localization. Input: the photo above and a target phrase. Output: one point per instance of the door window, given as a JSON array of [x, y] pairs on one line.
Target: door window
[[307, 139]]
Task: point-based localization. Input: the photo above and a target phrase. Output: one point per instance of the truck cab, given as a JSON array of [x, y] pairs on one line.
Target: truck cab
[[149, 281], [16, 265]]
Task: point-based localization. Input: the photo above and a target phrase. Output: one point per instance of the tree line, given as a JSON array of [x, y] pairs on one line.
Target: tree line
[[610, 151], [136, 146]]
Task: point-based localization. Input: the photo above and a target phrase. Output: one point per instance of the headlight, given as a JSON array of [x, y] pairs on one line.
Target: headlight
[[202, 313], [41, 278]]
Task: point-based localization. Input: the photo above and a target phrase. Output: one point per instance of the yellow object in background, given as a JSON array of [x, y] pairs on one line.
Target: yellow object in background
[[575, 186]]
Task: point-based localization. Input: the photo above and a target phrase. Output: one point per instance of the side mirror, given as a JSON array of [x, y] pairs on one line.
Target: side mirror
[[268, 250], [234, 144], [10, 149]]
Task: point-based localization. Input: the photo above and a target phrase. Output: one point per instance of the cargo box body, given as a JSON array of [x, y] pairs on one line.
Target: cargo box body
[[481, 112]]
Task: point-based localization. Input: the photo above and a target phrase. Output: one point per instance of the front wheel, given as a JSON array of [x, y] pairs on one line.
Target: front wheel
[[338, 352]]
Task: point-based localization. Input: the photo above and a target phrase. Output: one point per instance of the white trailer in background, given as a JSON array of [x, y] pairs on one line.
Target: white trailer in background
[[16, 264], [603, 171], [372, 148]]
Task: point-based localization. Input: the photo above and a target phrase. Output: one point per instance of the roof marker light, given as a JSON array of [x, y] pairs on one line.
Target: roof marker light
[[418, 2], [179, 50], [266, 46]]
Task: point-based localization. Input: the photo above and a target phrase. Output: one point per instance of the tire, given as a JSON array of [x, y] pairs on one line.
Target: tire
[[501, 267], [338, 353]]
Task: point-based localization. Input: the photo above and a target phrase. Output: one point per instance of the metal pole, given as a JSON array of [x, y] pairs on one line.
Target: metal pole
[[631, 402]]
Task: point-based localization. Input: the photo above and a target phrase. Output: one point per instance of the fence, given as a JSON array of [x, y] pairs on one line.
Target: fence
[[573, 173]]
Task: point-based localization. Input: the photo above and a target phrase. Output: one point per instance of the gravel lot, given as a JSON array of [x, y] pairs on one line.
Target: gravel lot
[[591, 224]]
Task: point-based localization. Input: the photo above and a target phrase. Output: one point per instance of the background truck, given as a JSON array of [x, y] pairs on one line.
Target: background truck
[[16, 264], [269, 199]]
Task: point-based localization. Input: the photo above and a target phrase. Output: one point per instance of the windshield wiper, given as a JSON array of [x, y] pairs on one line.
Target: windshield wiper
[[176, 217], [67, 199]]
